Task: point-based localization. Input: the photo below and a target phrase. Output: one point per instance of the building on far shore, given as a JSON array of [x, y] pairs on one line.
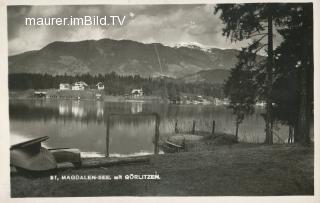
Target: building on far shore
[[79, 86], [221, 101], [100, 86], [261, 103], [40, 94], [64, 86], [137, 93]]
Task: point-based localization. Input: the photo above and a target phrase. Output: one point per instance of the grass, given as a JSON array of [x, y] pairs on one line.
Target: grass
[[239, 169]]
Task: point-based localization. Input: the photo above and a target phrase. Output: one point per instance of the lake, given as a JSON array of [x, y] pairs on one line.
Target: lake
[[82, 124]]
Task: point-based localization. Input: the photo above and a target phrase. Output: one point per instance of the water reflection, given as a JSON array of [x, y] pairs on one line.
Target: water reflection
[[63, 108], [77, 110], [136, 107], [100, 110], [81, 124]]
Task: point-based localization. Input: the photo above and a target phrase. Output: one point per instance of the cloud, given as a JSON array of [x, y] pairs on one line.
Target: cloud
[[167, 24]]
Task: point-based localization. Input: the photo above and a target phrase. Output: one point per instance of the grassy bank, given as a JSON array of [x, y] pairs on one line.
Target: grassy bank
[[239, 169]]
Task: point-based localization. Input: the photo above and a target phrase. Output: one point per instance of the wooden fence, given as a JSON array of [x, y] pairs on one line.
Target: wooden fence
[[156, 132]]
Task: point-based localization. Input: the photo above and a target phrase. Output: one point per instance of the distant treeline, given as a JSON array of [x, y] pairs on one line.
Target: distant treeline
[[116, 84]]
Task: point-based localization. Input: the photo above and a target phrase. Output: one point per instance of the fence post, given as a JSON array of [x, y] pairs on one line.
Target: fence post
[[193, 126], [184, 145], [107, 136], [213, 126], [176, 127]]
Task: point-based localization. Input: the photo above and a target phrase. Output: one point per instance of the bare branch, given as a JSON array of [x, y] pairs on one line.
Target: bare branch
[[260, 38], [256, 51]]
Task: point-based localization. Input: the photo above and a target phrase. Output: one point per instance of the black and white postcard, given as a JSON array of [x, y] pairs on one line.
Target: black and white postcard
[[158, 99]]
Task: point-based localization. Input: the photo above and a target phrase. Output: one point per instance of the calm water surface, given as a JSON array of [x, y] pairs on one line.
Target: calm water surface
[[81, 124]]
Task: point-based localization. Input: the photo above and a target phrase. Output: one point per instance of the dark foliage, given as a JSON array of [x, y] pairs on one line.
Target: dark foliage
[[116, 84], [285, 80], [240, 87]]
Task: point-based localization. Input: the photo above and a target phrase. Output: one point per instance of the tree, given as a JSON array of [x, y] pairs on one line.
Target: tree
[[252, 21], [257, 22], [240, 89], [294, 75]]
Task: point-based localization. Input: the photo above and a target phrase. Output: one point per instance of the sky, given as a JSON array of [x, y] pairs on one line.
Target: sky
[[166, 24]]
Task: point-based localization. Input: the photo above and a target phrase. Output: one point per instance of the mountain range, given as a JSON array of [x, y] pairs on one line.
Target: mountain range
[[190, 63]]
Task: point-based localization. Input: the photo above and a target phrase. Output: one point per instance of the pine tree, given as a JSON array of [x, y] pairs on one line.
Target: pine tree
[[257, 22], [240, 89]]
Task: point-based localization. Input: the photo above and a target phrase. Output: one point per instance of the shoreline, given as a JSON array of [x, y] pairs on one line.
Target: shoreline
[[81, 95], [91, 95]]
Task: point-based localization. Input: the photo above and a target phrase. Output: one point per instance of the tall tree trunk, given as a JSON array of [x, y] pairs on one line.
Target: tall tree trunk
[[295, 132], [306, 65], [269, 136], [290, 137], [303, 131]]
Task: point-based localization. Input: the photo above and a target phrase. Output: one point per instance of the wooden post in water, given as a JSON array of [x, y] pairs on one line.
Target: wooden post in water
[[107, 136], [157, 134], [193, 126], [213, 126], [176, 127]]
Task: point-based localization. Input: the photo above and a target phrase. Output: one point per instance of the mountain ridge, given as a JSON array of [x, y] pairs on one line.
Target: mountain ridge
[[124, 57]]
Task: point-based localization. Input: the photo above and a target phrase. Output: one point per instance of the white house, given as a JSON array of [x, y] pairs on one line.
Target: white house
[[100, 86], [64, 86], [79, 86], [137, 92]]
